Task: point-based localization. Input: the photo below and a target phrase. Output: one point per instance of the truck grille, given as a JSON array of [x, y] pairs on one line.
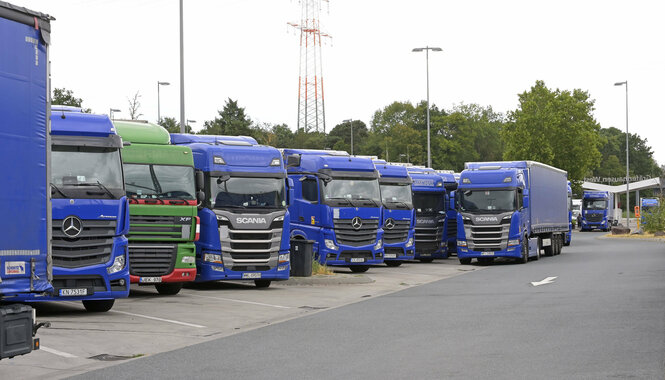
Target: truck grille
[[428, 239], [151, 259], [594, 218], [157, 227], [488, 237], [347, 235], [246, 250], [91, 247], [397, 234]]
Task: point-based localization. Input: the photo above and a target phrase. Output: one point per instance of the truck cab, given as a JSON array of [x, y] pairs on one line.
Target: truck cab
[[160, 183], [596, 206], [337, 204], [244, 216], [398, 217], [429, 201], [90, 215]]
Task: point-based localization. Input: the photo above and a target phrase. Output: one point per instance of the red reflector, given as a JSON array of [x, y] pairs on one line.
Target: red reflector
[[198, 228]]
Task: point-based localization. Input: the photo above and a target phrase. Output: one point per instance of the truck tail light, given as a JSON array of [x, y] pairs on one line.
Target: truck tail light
[[198, 228]]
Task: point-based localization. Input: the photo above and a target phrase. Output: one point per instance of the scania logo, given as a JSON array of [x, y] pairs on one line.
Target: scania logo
[[356, 223], [72, 226], [390, 223], [487, 219], [250, 220]]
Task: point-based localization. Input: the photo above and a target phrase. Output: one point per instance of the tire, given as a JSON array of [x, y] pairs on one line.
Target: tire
[[525, 252], [466, 261], [169, 288], [393, 263], [426, 260], [359, 268], [262, 283], [549, 250], [98, 306]]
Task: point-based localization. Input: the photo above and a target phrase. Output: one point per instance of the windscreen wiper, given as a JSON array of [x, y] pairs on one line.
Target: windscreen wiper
[[142, 187], [400, 203], [371, 200], [341, 199], [60, 191], [98, 184]]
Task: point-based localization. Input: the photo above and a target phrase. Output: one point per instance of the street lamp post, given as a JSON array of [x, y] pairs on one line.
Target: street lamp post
[[189, 121], [159, 118], [627, 158], [427, 49], [350, 121], [111, 111]]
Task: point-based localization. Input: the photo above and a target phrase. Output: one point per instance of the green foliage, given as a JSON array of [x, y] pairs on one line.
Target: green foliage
[[556, 128], [339, 137], [173, 126], [65, 97], [654, 220], [613, 151], [232, 121]]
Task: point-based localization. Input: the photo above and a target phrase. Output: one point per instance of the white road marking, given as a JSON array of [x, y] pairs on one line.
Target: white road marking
[[157, 319], [240, 301], [546, 281], [56, 352]]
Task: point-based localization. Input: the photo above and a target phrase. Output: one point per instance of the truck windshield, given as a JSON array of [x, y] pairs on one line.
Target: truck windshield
[[594, 204], [248, 192], [488, 200], [86, 172], [352, 189], [396, 194], [159, 181], [428, 203]]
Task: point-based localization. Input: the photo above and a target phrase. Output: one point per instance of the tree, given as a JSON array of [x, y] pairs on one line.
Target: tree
[[64, 97], [339, 137], [556, 128], [231, 121], [134, 106], [173, 126]]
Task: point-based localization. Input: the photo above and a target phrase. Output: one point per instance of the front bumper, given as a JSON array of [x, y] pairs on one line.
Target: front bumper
[[514, 252], [178, 275], [208, 271]]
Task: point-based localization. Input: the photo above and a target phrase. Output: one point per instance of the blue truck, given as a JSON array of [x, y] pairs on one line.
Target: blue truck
[[429, 201], [337, 204], [25, 151], [399, 217], [511, 209], [597, 211], [90, 212], [450, 228], [244, 218]]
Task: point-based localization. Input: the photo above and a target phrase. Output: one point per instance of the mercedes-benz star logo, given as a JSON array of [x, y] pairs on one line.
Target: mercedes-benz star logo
[[390, 223], [72, 226], [356, 223]]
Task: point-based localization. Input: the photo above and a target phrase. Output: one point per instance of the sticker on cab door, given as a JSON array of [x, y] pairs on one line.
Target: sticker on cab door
[[14, 267]]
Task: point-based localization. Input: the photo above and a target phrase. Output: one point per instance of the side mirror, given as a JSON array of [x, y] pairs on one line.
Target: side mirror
[[200, 196], [450, 186], [291, 193], [199, 179]]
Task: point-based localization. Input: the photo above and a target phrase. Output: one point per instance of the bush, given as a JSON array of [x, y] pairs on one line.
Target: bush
[[654, 220]]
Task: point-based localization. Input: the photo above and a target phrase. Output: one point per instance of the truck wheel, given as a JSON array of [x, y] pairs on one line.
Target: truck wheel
[[359, 268], [525, 252], [262, 283], [393, 263], [559, 245], [169, 289], [549, 250], [465, 261], [426, 260], [98, 306]]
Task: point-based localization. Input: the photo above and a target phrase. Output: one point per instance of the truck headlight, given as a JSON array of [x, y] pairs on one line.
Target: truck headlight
[[513, 242], [284, 257], [378, 244], [222, 218], [282, 268], [117, 266], [331, 244], [409, 242], [212, 258], [188, 260], [461, 243]]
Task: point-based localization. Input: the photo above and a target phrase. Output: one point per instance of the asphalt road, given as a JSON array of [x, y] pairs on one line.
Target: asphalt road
[[602, 317]]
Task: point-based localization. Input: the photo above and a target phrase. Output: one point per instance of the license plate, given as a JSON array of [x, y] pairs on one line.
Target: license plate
[[390, 256], [74, 292], [251, 275], [357, 259], [487, 253], [150, 280]]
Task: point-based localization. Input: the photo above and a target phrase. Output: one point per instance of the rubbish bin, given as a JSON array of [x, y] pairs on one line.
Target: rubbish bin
[[301, 257]]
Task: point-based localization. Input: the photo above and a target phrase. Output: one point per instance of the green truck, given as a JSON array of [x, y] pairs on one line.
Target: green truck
[[163, 222]]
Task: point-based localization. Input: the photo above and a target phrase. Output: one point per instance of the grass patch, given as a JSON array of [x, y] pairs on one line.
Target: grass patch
[[318, 268], [636, 236]]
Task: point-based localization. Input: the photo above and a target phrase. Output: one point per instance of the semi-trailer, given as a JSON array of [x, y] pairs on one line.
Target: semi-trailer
[[25, 260], [398, 215], [336, 204], [163, 221], [244, 216], [511, 209]]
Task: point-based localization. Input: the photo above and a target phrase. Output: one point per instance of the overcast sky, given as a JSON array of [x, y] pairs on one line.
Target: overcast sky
[[107, 50]]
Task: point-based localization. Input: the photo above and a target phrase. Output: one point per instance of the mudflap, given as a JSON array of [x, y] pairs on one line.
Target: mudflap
[[533, 247]]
